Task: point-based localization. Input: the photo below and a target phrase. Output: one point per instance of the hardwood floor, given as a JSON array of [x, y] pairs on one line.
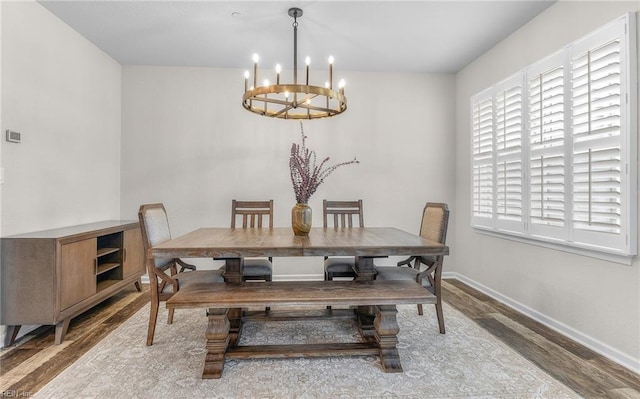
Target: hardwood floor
[[27, 366], [31, 363], [581, 369]]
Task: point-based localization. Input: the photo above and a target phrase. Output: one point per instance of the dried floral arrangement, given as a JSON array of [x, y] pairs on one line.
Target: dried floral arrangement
[[306, 175]]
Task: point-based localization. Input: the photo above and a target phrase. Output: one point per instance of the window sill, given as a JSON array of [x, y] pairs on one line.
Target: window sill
[[610, 257]]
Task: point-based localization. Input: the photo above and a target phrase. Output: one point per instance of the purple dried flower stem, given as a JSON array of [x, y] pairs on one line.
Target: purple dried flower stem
[[306, 177]]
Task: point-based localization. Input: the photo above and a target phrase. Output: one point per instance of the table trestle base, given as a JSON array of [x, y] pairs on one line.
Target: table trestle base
[[302, 350], [381, 341], [288, 315], [371, 303]]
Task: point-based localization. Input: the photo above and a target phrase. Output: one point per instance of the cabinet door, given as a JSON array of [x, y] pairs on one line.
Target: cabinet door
[[77, 272], [133, 252]]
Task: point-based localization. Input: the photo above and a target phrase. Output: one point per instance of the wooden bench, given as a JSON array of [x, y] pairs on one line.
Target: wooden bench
[[376, 315]]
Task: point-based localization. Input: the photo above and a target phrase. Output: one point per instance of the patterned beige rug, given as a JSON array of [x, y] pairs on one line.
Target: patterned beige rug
[[466, 362]]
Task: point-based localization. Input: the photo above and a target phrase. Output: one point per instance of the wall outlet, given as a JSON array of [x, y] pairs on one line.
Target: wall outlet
[[14, 137]]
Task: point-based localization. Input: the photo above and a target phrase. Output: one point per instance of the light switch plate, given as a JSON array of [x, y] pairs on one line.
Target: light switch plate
[[14, 137]]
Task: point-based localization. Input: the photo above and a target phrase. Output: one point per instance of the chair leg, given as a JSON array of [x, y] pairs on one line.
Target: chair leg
[[175, 289], [420, 309], [440, 316], [153, 317], [268, 277], [328, 277]]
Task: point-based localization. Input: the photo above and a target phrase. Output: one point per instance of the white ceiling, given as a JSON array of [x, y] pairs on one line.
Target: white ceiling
[[412, 36]]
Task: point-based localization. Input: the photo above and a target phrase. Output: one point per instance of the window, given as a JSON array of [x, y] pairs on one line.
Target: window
[[554, 147]]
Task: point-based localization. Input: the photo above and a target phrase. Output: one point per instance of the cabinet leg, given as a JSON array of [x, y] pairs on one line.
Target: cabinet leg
[[61, 330], [138, 284], [12, 333]]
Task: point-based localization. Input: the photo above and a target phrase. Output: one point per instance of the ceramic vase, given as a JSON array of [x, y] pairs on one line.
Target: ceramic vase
[[301, 219]]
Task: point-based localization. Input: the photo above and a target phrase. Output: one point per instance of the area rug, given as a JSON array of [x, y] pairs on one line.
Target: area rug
[[466, 362]]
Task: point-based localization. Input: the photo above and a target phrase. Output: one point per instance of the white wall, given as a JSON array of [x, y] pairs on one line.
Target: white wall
[[1, 141], [63, 95], [187, 142], [595, 301]]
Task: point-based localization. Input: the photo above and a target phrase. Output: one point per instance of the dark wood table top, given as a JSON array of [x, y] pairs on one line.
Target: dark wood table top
[[213, 242]]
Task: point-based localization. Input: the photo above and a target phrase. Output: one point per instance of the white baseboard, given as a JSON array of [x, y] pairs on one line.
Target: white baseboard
[[299, 277], [617, 356]]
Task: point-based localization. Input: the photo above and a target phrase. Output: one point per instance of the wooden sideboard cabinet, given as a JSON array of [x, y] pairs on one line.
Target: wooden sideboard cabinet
[[49, 277]]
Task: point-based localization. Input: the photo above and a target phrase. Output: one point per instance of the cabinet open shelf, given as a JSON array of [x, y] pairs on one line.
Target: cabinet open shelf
[[106, 251], [104, 284], [109, 259], [105, 267]]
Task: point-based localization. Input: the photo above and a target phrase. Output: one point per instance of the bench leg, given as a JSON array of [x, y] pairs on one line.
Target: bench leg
[[387, 329], [366, 316], [217, 341], [235, 325]]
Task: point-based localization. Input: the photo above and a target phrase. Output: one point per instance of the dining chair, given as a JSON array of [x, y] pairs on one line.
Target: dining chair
[[164, 277], [251, 214], [426, 270], [341, 214]]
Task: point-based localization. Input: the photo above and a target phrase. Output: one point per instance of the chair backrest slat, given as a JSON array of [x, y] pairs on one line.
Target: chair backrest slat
[[252, 213], [343, 212]]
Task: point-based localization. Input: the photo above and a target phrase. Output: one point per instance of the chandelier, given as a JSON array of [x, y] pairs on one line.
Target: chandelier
[[293, 100]]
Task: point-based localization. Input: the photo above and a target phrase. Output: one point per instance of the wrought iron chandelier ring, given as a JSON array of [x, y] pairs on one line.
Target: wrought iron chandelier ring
[[293, 100]]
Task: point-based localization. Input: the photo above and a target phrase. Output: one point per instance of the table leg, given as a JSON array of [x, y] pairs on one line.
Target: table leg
[[366, 314], [217, 342], [233, 268], [364, 268], [233, 274], [387, 329]]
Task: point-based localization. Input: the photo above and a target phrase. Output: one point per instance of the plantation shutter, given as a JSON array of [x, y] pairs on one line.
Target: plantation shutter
[[546, 131], [554, 147], [597, 101], [482, 159], [509, 169]]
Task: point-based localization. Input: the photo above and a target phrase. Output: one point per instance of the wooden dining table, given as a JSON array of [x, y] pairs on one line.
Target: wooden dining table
[[235, 244]]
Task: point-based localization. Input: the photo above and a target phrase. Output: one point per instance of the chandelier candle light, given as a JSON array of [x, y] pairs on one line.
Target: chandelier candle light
[[293, 100]]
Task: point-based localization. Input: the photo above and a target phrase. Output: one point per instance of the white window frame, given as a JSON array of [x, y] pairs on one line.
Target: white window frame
[[614, 239]]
